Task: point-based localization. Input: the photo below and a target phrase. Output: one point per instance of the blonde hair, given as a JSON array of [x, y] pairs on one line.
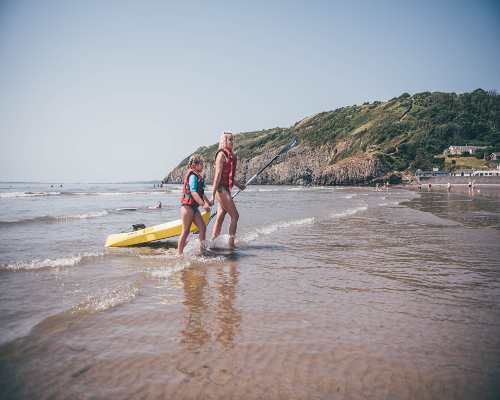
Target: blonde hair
[[223, 140], [195, 159]]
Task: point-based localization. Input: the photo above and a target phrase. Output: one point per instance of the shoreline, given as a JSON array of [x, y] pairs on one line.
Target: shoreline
[[490, 190]]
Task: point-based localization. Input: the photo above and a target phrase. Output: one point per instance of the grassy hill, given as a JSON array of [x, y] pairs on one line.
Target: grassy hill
[[402, 134]]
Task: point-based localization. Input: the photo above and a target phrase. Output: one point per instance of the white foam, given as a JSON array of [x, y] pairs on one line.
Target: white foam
[[348, 212], [390, 203], [7, 195], [68, 261], [92, 214], [166, 272], [161, 255], [269, 229], [108, 300]]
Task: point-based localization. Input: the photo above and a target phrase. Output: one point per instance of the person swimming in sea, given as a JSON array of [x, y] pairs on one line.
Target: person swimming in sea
[[193, 197], [156, 206], [224, 180]]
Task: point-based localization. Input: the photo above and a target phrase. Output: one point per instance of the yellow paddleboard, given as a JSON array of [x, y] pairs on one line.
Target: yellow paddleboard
[[151, 233]]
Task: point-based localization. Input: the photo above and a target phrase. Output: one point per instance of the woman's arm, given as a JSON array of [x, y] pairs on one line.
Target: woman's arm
[[205, 198], [236, 182], [219, 164]]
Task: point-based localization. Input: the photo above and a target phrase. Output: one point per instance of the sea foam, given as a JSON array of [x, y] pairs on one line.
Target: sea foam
[[107, 300], [36, 264], [350, 211], [7, 195], [269, 229]]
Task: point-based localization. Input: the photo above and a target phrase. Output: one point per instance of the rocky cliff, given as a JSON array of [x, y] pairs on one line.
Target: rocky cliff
[[360, 144], [303, 165]]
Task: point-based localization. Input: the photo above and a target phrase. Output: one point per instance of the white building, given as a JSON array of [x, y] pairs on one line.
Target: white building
[[491, 172], [459, 150], [463, 172]]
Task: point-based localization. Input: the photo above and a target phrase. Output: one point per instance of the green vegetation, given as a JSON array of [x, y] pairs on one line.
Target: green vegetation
[[453, 163], [406, 132]]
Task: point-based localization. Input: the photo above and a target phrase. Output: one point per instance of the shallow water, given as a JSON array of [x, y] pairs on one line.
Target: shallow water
[[332, 292]]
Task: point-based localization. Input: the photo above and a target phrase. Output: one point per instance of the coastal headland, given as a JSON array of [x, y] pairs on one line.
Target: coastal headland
[[368, 143]]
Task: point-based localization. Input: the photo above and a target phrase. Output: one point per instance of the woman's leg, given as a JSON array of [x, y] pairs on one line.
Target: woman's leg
[[219, 219], [227, 203], [187, 219]]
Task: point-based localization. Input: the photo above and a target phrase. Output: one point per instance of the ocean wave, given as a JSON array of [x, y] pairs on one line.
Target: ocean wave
[[7, 195], [269, 229], [113, 193], [108, 300], [10, 195], [183, 263], [56, 219], [167, 271], [391, 203], [36, 264], [350, 211]]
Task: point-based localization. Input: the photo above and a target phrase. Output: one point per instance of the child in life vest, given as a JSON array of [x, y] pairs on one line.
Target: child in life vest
[[224, 179], [193, 197]]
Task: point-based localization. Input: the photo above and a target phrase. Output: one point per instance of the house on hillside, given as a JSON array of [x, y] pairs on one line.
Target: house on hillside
[[493, 172], [459, 150], [463, 172], [494, 156]]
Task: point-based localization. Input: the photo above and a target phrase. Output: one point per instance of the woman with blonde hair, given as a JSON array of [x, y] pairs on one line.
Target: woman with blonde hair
[[193, 196], [224, 180]]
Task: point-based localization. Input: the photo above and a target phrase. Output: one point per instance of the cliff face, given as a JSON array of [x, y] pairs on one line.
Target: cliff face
[[359, 144], [302, 165]]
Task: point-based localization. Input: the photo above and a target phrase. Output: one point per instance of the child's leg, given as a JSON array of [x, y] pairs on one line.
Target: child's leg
[[187, 219], [202, 228]]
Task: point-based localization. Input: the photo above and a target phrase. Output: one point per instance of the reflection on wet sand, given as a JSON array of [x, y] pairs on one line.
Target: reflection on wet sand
[[472, 211], [202, 321], [228, 317]]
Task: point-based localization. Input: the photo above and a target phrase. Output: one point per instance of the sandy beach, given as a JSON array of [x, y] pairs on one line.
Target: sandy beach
[[338, 293]]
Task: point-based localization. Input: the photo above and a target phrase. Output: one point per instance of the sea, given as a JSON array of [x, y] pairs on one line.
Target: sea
[[331, 293]]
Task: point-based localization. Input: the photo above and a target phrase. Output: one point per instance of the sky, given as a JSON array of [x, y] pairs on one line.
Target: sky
[[124, 90]]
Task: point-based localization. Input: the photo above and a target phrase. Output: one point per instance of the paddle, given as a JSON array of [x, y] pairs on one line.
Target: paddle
[[284, 150]]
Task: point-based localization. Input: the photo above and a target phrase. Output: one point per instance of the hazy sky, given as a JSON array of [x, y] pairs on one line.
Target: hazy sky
[[123, 90]]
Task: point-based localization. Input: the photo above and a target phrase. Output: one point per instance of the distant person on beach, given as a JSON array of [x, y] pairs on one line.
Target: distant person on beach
[[224, 180], [430, 187], [449, 187], [156, 206], [419, 186], [193, 197]]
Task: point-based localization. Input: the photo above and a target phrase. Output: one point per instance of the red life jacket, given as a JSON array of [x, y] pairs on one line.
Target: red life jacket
[[187, 197], [228, 170]]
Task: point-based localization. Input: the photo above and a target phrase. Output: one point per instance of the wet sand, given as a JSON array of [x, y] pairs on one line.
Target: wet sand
[[377, 300], [483, 189]]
